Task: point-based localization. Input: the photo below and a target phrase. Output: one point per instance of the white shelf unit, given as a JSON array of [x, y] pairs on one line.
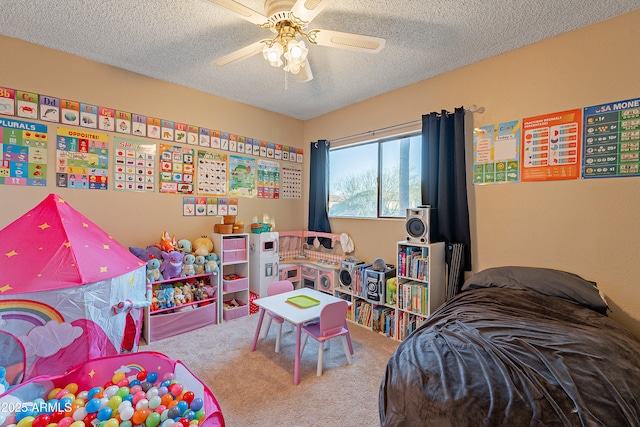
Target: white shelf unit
[[420, 289], [167, 322], [233, 251]]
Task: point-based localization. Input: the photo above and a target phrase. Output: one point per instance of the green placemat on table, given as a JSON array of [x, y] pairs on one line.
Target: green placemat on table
[[303, 301]]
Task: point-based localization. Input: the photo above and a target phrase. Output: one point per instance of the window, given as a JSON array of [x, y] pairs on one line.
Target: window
[[375, 179]]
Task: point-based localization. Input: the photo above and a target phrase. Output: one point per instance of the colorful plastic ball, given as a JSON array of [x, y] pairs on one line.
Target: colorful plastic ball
[[152, 377], [123, 382], [77, 424], [117, 377], [134, 382], [176, 389], [183, 406], [165, 383], [200, 414], [177, 424], [126, 423], [154, 402], [146, 386], [61, 393], [162, 390], [142, 403], [128, 398], [110, 391], [92, 405], [135, 389], [139, 396], [123, 391], [160, 409], [140, 416], [142, 375], [184, 421], [167, 423], [24, 412], [190, 414], [153, 419], [92, 392], [114, 402], [84, 395], [174, 413], [41, 420], [26, 421], [65, 421], [72, 387], [126, 413], [166, 399], [57, 415], [153, 391], [79, 413], [52, 393], [188, 397], [88, 420], [197, 403], [169, 376], [111, 422], [104, 413]]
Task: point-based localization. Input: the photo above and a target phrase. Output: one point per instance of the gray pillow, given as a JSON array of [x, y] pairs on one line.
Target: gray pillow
[[546, 281]]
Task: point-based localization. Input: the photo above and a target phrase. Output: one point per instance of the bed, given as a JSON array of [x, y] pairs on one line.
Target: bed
[[518, 346]]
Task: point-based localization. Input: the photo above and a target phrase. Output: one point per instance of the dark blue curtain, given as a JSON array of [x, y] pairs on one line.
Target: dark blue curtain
[[319, 189], [444, 187]]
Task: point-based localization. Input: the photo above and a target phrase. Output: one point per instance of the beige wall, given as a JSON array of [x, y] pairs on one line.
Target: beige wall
[[589, 227], [138, 219]]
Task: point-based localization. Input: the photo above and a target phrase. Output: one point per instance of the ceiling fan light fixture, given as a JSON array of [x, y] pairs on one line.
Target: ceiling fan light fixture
[[297, 51], [273, 54]]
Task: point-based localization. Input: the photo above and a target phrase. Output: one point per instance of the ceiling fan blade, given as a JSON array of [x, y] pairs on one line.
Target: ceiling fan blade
[[242, 11], [240, 54], [305, 74], [349, 41], [306, 10]]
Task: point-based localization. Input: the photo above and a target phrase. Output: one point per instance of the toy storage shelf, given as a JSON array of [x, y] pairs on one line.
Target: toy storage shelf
[[167, 322], [420, 289], [233, 251]]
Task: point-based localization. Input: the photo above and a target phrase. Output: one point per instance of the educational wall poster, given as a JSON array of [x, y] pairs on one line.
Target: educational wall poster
[[193, 135], [212, 173], [176, 169], [82, 159], [268, 179], [194, 206], [107, 119], [209, 206], [551, 146], [23, 146], [291, 187], [7, 101], [27, 104], [88, 116], [205, 138], [496, 153], [49, 109], [242, 176], [134, 165], [138, 125], [612, 140], [69, 112]]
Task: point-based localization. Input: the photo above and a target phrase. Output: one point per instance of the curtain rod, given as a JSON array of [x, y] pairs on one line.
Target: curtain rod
[[472, 109]]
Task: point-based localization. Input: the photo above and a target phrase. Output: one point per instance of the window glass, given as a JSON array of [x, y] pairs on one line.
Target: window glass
[[375, 179]]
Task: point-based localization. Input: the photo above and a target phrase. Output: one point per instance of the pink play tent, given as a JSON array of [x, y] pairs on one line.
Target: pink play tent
[[68, 293]]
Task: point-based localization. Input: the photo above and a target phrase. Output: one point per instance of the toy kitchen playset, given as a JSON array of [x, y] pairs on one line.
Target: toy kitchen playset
[[288, 255]]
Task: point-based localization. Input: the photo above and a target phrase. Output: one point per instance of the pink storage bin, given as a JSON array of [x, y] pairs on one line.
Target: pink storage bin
[[235, 285], [234, 255], [97, 372], [235, 313], [233, 243], [165, 325]]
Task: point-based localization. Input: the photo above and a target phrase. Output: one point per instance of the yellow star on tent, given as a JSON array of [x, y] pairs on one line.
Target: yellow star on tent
[[103, 269], [5, 288], [105, 247], [92, 373], [67, 244], [85, 225], [10, 254], [44, 226]]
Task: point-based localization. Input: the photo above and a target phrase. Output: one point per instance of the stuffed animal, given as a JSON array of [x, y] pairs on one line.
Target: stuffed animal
[[167, 244], [161, 296], [184, 245], [188, 265], [153, 270], [178, 296], [213, 263], [209, 291], [200, 264], [147, 253], [198, 292], [154, 301], [171, 300], [202, 246], [171, 266], [188, 293]]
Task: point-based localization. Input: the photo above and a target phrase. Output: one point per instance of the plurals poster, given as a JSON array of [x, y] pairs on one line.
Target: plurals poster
[[268, 179], [23, 147], [551, 146], [134, 165], [496, 153], [176, 169], [612, 140], [82, 159], [291, 187], [212, 173], [242, 177]]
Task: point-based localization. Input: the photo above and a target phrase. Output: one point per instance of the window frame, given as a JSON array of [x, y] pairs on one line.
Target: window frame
[[379, 142]]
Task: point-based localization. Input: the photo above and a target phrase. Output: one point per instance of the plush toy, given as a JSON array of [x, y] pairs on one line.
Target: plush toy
[[188, 265], [198, 292], [209, 291], [161, 297], [200, 264], [153, 270], [171, 300], [171, 266], [167, 244], [213, 263], [147, 253], [202, 246], [188, 293], [178, 296], [184, 245]]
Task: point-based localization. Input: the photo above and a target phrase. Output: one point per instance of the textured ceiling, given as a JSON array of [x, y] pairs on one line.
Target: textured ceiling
[[177, 41]]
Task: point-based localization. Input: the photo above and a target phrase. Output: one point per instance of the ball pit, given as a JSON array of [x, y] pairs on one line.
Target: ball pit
[[144, 401]]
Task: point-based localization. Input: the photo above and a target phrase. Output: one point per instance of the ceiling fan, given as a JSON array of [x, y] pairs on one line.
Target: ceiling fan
[[288, 20]]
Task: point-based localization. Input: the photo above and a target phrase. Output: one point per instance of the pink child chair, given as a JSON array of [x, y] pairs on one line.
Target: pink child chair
[[332, 324], [276, 288]]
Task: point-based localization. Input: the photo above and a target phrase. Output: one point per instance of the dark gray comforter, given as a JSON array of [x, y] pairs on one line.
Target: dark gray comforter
[[504, 357]]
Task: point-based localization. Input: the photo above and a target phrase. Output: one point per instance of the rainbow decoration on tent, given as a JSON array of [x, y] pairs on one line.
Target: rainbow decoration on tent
[[34, 312]]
